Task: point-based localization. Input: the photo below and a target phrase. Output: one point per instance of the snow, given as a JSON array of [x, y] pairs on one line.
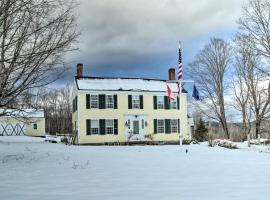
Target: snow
[[33, 169], [23, 113], [127, 84]]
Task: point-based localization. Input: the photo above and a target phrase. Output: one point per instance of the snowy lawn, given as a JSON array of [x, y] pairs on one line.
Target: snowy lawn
[[32, 169]]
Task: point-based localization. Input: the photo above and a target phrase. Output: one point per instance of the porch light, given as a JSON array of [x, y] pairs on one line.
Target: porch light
[[126, 124]]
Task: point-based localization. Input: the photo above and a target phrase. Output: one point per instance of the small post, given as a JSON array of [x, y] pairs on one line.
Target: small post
[[248, 140], [180, 140], [259, 139]]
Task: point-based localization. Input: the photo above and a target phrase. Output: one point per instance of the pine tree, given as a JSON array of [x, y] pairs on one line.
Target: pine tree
[[201, 131]]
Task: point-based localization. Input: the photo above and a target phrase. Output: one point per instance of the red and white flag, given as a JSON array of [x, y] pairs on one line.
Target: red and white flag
[[169, 91]]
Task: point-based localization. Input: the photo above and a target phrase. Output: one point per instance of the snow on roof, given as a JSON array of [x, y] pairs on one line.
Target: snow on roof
[[23, 113], [125, 84]]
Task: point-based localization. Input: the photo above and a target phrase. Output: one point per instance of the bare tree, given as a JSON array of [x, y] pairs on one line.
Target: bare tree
[[209, 70], [56, 105], [252, 81], [255, 23], [34, 36], [244, 57]]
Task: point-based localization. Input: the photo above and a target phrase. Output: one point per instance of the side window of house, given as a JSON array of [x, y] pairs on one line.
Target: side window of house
[[109, 126], [93, 101], [174, 125], [160, 102], [35, 126], [94, 126], [160, 126], [109, 101], [173, 104], [75, 104], [136, 101]]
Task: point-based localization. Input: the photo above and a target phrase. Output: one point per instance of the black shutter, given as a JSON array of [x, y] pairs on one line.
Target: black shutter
[[167, 126], [155, 102], [87, 101], [115, 101], [73, 106], [76, 103], [166, 103], [155, 126], [88, 127], [115, 123], [102, 126], [141, 101], [178, 103], [101, 101], [129, 102], [178, 125]]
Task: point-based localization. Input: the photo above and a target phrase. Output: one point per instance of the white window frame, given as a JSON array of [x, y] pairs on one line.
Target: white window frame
[[109, 104], [159, 128], [109, 129], [94, 130], [173, 104], [92, 103], [174, 127], [160, 105], [136, 102]]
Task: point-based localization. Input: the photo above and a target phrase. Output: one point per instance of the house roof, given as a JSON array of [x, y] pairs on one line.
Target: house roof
[[23, 113], [125, 84]]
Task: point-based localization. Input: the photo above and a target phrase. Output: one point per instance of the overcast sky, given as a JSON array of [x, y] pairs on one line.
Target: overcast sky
[[139, 38]]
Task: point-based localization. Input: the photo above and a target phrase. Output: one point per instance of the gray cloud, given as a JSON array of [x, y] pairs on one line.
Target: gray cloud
[[139, 37]]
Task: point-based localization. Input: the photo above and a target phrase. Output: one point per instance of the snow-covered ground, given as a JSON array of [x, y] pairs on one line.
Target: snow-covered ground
[[32, 169]]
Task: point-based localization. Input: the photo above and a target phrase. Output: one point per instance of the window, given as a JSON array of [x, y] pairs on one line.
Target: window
[[94, 101], [136, 101], [160, 102], [75, 104], [109, 101], [94, 126], [109, 126], [174, 125], [160, 126], [35, 126], [173, 104]]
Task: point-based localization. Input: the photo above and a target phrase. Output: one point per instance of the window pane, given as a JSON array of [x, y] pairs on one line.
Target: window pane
[[94, 101], [174, 127], [160, 126], [109, 101], [135, 101], [173, 104], [160, 102], [109, 126]]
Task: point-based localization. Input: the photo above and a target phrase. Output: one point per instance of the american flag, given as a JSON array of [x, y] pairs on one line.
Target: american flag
[[180, 70]]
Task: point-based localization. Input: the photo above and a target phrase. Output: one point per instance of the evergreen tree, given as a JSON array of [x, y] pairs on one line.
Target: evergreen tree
[[201, 131]]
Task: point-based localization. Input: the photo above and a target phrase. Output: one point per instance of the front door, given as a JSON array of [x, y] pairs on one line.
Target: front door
[[136, 127]]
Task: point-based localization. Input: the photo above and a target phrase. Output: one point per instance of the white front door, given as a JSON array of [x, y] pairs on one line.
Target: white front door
[[136, 127]]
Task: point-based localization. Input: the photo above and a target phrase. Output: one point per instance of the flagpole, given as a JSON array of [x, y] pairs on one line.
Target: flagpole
[[180, 91]]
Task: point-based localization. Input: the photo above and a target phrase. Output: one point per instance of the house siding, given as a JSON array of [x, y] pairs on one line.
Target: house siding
[[122, 111]]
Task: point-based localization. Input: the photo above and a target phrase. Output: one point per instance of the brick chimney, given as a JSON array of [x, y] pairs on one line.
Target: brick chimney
[[79, 70], [171, 74]]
